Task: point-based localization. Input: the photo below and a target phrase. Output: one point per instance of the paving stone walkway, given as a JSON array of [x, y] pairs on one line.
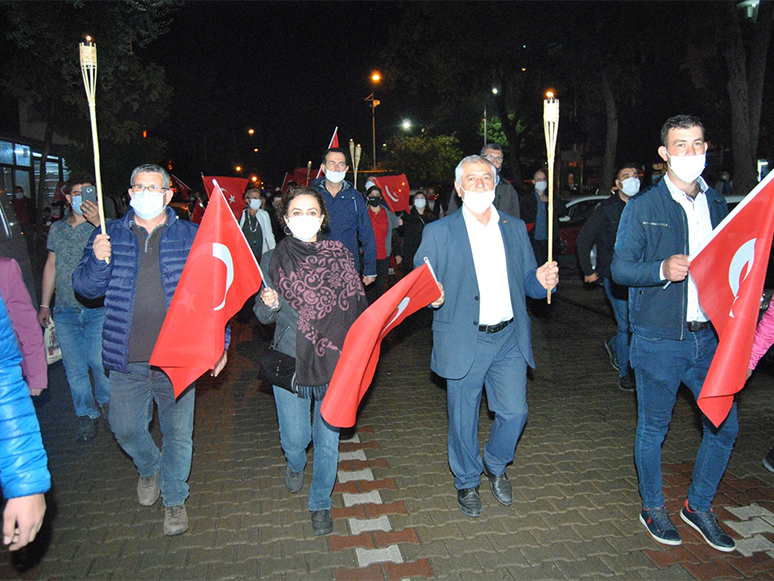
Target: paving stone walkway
[[575, 508]]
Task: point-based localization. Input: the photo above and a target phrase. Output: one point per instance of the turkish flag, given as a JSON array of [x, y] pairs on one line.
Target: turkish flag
[[729, 271], [360, 353], [220, 274], [198, 213], [302, 176], [395, 191], [233, 189], [180, 187]]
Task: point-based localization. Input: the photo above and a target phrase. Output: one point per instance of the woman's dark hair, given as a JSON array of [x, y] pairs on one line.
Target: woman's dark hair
[[282, 203], [372, 188]]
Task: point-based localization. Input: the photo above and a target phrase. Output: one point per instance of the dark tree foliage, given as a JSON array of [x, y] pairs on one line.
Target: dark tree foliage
[[43, 71]]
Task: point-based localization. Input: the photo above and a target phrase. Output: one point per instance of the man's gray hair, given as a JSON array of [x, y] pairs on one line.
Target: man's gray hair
[[492, 146], [151, 168], [471, 159]]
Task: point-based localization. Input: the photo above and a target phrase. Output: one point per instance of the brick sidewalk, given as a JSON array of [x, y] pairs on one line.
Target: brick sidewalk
[[574, 513]]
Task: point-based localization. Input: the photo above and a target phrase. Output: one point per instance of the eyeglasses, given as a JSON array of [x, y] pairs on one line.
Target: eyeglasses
[[154, 189], [493, 158]]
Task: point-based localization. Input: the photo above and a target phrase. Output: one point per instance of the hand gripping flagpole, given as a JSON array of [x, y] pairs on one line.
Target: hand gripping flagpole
[[88, 52], [550, 125]]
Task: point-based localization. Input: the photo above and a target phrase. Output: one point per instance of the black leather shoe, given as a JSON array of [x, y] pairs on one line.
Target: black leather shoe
[[501, 488], [469, 501]]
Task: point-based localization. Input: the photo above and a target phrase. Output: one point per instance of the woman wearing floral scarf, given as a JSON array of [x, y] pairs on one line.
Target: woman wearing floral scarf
[[313, 294]]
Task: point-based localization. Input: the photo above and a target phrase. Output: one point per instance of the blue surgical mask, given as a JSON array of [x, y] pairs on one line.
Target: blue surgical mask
[[76, 202]]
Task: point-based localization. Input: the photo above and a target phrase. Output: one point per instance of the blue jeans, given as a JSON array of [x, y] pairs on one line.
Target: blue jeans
[[499, 364], [131, 410], [660, 366], [79, 331], [296, 432], [619, 300]]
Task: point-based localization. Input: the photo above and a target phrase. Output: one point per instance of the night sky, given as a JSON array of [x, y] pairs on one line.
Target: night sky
[[291, 71]]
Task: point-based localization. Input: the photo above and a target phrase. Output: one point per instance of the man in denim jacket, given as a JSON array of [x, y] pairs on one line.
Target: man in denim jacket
[[673, 341]]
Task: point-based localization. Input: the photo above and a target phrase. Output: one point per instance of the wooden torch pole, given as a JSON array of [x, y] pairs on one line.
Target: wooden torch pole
[[550, 125]]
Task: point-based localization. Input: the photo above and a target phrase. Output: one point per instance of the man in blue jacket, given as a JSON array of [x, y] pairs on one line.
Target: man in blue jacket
[[347, 212], [673, 341], [147, 249], [481, 330]]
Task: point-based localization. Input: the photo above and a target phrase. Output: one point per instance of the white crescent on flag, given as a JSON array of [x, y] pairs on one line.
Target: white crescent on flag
[[221, 252], [400, 308], [744, 257], [393, 197]]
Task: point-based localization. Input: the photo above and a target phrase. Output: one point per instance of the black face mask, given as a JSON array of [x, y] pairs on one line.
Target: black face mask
[[374, 201]]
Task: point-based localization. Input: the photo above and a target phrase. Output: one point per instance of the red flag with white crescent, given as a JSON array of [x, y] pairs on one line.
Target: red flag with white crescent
[[729, 271], [395, 191], [220, 274], [233, 189], [360, 353]]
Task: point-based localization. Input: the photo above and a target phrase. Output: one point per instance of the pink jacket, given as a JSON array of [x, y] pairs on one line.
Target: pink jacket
[[24, 319], [764, 338]]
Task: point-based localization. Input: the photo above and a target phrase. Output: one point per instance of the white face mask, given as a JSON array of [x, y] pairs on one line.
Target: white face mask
[[76, 204], [420, 203], [630, 186], [335, 177], [147, 206], [541, 186], [305, 228], [255, 204], [478, 202], [687, 167]]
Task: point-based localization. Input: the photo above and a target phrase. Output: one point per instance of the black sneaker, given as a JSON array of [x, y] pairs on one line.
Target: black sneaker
[[87, 429], [294, 480], [322, 523], [611, 354], [626, 383], [708, 526], [660, 526], [768, 461]]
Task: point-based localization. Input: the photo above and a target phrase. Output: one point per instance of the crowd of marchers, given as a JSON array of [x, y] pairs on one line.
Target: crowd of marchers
[[326, 251]]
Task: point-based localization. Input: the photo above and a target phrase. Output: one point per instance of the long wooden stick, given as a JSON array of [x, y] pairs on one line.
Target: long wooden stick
[[88, 54], [550, 126]]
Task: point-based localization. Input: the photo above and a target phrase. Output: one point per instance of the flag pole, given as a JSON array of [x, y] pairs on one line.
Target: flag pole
[[358, 151], [352, 157], [88, 54], [550, 125], [308, 171]]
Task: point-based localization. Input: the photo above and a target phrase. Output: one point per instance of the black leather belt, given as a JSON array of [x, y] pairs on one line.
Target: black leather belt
[[495, 328], [695, 326]]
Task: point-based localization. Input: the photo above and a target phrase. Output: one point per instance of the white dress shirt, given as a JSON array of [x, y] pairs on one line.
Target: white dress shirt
[[494, 292], [699, 229]]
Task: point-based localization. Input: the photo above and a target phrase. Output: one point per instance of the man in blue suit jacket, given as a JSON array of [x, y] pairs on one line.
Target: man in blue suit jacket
[[481, 331]]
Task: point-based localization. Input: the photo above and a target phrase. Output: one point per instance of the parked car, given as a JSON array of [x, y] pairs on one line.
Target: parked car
[[578, 211]]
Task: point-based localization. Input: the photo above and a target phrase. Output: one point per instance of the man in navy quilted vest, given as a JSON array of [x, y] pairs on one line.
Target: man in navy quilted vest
[[147, 249]]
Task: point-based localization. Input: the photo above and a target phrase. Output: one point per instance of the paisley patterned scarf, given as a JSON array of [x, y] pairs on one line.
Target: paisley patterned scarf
[[318, 280]]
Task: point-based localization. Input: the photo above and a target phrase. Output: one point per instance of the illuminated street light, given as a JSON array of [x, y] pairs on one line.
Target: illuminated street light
[[406, 124], [251, 131], [238, 168], [376, 77]]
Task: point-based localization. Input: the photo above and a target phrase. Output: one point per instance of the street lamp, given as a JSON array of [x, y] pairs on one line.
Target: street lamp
[[494, 92], [376, 77], [406, 124]]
